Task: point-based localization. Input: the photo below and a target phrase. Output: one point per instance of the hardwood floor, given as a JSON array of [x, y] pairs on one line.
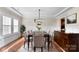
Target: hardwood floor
[[18, 46], [51, 49], [13, 46], [22, 49]]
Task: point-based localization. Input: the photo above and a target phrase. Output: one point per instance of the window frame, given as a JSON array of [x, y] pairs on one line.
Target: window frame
[[6, 25], [15, 25], [12, 27]]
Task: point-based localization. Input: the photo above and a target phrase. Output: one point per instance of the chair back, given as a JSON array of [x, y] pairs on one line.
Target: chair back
[[25, 35], [38, 40]]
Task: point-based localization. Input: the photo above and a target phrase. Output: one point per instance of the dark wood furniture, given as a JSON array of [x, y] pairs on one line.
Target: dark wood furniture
[[73, 42], [47, 37], [68, 41], [35, 49], [61, 39], [29, 36], [63, 25]]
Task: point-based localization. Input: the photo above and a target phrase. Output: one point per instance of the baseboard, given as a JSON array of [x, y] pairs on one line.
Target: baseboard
[[60, 49], [13, 46]]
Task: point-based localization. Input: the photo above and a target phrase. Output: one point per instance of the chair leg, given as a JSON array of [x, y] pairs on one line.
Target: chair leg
[[45, 44], [24, 44], [34, 49], [51, 44], [41, 49]]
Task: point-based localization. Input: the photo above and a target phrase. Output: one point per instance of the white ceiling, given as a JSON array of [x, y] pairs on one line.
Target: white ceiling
[[45, 12]]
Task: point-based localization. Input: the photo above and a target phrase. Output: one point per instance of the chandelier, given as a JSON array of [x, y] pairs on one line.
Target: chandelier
[[38, 21]]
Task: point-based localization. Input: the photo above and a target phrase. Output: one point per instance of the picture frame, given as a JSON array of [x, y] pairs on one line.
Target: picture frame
[[72, 19]]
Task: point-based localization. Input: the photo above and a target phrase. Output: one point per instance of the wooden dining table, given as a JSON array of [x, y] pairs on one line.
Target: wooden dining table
[[47, 37]]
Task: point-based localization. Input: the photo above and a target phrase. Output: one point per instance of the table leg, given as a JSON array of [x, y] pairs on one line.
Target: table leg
[[28, 43], [48, 44]]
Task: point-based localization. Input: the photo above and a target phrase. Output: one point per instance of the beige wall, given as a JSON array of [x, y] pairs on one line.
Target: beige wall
[[70, 28], [4, 11], [54, 24], [48, 24]]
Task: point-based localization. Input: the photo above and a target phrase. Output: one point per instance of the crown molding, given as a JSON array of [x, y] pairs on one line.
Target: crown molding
[[14, 10], [62, 11]]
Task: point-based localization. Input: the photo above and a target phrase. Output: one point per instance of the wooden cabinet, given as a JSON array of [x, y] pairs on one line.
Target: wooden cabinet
[[67, 41], [61, 39], [73, 41]]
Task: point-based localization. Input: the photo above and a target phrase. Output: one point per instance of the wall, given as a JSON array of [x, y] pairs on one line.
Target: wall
[[6, 39], [70, 28], [48, 24]]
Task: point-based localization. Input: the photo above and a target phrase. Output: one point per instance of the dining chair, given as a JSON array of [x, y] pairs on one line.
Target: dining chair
[[38, 41], [25, 37]]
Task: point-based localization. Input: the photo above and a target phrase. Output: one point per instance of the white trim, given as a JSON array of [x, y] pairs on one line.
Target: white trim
[[67, 8], [15, 11]]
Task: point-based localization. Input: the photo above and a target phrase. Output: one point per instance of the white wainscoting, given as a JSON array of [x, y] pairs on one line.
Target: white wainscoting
[[8, 39]]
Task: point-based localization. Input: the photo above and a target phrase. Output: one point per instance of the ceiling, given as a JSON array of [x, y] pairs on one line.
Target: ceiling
[[45, 12]]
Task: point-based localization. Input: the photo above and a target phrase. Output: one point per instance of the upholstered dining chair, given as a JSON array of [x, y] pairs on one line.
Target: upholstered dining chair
[[38, 41], [25, 37]]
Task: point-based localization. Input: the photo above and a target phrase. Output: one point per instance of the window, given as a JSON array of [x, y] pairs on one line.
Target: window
[[9, 25], [15, 25], [6, 25]]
